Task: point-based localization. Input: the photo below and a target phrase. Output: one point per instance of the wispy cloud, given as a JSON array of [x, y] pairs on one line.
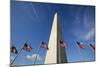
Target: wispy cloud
[[11, 58], [90, 34], [84, 35], [33, 57], [88, 20]]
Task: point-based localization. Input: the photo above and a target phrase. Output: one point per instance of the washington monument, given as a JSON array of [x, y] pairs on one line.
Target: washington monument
[[56, 54]]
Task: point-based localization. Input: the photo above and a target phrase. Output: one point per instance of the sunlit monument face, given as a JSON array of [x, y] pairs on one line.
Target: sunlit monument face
[[46, 33]]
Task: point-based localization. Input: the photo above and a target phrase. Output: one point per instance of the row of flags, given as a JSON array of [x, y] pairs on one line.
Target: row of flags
[[28, 48], [43, 44], [81, 45]]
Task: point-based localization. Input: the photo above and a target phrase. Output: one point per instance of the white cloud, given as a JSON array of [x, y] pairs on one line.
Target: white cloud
[[11, 58], [33, 57], [90, 34]]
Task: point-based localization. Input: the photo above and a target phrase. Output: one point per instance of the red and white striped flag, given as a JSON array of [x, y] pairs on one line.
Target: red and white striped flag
[[14, 50], [44, 45], [80, 44], [63, 45], [27, 47], [93, 46]]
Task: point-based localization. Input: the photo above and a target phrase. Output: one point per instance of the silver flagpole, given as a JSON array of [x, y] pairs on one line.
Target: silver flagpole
[[17, 54], [37, 51]]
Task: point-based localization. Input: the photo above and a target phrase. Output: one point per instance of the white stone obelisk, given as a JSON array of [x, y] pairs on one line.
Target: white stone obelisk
[[56, 54], [51, 56]]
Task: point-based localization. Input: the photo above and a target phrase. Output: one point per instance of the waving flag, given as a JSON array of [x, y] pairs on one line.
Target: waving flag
[[14, 50], [81, 45], [27, 47], [44, 45], [93, 46], [63, 45]]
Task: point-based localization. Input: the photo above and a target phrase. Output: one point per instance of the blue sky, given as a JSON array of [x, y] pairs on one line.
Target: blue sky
[[32, 22]]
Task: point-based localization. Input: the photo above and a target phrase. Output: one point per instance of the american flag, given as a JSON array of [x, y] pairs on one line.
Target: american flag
[[63, 45], [44, 45], [93, 46], [14, 50], [27, 47], [80, 44]]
